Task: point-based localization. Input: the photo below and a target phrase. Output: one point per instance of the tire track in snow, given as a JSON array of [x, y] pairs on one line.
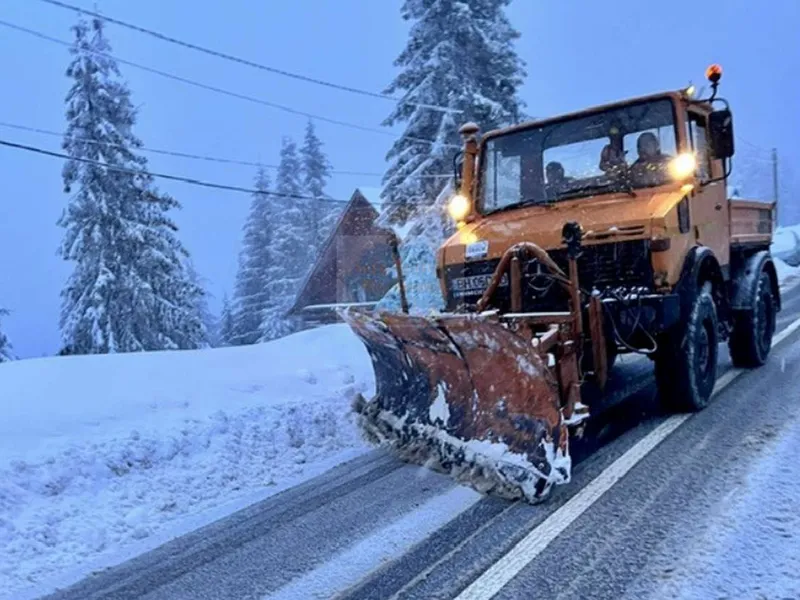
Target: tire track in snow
[[291, 548], [382, 545]]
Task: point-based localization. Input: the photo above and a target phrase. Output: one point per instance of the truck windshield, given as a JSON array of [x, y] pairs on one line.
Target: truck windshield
[[617, 150]]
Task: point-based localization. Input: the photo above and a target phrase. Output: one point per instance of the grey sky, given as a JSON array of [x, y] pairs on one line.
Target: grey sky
[[578, 53]]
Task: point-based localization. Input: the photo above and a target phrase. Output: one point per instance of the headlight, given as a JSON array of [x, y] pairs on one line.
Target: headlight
[[683, 165], [458, 207]]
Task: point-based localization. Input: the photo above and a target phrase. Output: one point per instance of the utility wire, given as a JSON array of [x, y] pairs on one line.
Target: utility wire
[[218, 90], [753, 146], [243, 61], [189, 180], [215, 159]]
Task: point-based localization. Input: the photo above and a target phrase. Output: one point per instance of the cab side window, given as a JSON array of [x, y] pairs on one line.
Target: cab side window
[[699, 143]]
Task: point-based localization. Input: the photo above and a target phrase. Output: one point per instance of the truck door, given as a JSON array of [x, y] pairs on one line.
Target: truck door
[[709, 208]]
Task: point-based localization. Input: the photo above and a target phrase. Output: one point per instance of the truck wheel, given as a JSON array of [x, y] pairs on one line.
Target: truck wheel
[[686, 358], [751, 338]]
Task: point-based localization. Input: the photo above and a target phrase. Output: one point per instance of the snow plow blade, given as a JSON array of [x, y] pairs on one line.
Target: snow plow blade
[[466, 395]]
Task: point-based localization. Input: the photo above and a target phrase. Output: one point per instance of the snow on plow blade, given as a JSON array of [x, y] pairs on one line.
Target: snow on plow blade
[[464, 395]]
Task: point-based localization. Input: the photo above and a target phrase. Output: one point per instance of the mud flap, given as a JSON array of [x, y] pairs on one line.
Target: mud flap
[[465, 395]]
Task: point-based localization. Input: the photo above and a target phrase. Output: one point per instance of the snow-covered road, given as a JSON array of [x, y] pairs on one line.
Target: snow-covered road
[[750, 545]]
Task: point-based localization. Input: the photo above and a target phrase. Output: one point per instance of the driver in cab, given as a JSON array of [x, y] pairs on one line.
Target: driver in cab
[[650, 167]]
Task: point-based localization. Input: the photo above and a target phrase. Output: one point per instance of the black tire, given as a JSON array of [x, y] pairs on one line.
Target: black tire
[[751, 338], [686, 358]]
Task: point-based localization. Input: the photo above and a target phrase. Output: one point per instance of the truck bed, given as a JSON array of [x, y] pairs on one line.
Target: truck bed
[[752, 223]]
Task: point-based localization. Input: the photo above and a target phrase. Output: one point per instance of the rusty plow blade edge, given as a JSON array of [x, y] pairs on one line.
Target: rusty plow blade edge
[[466, 396]]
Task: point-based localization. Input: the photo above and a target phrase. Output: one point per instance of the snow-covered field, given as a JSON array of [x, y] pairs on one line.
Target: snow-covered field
[[103, 457]]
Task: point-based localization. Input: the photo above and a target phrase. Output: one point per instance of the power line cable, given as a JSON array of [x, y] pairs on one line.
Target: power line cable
[[244, 61], [753, 146], [182, 179], [215, 159], [219, 186], [219, 90]]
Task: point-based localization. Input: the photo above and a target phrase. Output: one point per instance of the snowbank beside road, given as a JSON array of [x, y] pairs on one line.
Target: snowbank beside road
[[100, 454], [787, 275], [786, 244]]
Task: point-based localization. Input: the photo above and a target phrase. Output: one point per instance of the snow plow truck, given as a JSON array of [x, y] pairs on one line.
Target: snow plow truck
[[578, 238]]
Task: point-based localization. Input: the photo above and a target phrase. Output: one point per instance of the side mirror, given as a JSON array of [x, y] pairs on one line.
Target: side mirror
[[720, 131]]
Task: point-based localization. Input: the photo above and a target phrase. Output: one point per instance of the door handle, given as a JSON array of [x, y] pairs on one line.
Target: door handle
[[718, 207]]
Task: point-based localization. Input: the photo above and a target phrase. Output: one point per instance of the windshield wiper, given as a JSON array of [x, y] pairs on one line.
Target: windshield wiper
[[577, 192], [621, 185], [520, 204]]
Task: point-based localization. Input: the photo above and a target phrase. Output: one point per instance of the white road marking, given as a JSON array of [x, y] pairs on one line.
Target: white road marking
[[533, 544]]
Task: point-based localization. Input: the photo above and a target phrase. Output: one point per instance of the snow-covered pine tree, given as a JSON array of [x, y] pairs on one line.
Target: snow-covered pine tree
[[227, 325], [290, 245], [129, 290], [250, 293], [6, 351], [460, 55], [207, 318], [316, 173]]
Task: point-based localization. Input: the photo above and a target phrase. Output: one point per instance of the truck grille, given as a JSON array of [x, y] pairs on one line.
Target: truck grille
[[600, 266]]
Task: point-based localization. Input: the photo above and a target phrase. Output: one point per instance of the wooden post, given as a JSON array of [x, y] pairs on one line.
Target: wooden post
[[398, 264]]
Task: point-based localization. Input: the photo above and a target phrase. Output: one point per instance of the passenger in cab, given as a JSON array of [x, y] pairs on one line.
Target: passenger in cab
[[612, 158], [556, 179], [554, 171]]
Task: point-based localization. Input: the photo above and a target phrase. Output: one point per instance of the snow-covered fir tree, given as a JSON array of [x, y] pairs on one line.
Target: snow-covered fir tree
[[316, 173], [251, 294], [290, 246], [129, 290], [459, 56], [6, 350], [227, 325], [207, 318]]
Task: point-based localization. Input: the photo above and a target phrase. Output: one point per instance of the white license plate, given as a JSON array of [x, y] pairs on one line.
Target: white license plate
[[473, 284]]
